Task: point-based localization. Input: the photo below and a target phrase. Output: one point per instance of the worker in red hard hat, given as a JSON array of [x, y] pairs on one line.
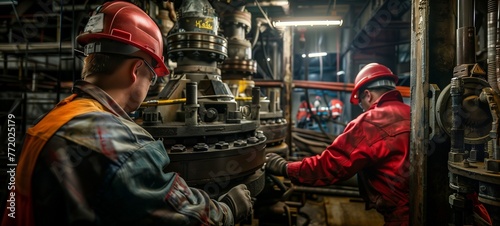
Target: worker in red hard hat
[[372, 77], [375, 145], [87, 163]]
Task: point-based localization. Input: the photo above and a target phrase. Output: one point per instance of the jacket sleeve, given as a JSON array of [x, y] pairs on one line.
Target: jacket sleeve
[[347, 154], [140, 193]]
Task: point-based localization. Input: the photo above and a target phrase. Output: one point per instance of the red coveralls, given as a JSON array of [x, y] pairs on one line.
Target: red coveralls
[[376, 146], [336, 106], [303, 111]]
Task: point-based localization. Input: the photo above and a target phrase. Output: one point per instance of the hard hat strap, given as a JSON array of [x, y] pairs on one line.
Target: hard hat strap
[[382, 83], [108, 46]]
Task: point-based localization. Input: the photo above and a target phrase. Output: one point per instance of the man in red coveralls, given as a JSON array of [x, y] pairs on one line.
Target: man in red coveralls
[[303, 115], [336, 106], [375, 145]]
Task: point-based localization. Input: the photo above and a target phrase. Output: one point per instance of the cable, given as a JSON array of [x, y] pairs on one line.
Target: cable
[[288, 214], [265, 15], [278, 183], [269, 69], [257, 32]]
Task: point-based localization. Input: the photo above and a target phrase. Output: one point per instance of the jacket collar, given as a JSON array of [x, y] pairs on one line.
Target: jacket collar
[[393, 95], [89, 90]]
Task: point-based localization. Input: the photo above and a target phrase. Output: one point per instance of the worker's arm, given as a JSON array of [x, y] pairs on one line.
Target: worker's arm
[[141, 193], [348, 154]]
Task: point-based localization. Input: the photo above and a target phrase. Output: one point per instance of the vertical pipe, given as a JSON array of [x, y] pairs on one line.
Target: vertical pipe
[[457, 130], [33, 82], [272, 101], [5, 63], [288, 79], [191, 107], [419, 135], [465, 46], [276, 74], [59, 39], [73, 40], [496, 153], [496, 31], [491, 43], [465, 13], [255, 103], [466, 53]]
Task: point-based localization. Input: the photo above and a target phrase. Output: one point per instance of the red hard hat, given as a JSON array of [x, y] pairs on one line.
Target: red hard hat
[[127, 24], [370, 73]]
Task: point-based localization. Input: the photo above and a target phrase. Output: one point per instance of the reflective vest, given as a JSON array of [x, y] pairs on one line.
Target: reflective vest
[[336, 106], [35, 140]]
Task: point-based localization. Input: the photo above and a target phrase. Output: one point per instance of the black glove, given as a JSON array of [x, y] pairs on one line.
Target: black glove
[[239, 201], [276, 165]]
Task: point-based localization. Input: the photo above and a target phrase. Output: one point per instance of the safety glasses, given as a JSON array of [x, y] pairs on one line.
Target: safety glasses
[[151, 68]]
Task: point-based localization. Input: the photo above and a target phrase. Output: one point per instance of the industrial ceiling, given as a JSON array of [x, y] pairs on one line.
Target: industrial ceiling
[[39, 35]]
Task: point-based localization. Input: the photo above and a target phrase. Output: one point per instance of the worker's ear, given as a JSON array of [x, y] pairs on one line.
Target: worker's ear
[[135, 70], [369, 95]]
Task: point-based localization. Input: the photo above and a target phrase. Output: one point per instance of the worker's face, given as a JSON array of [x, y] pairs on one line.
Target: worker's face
[[145, 77]]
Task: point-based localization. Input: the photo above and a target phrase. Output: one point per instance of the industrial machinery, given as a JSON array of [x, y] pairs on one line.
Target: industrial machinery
[[467, 110], [211, 139], [214, 122], [237, 72]]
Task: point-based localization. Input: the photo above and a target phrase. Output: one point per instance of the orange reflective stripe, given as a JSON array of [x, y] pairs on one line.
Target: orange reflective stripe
[[34, 142]]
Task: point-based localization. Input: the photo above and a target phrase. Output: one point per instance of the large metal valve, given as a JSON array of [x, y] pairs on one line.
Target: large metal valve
[[211, 143]]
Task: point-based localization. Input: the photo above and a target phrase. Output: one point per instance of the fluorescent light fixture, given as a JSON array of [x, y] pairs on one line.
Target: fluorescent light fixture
[[275, 3], [7, 2], [314, 55], [307, 21]]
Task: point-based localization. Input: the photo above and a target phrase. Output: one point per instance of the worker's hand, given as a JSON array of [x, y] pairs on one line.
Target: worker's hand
[[239, 201], [276, 165]]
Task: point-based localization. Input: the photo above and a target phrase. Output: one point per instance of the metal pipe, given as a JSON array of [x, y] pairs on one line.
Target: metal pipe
[[59, 67], [334, 86], [255, 103], [325, 191], [491, 44], [457, 130], [465, 46], [465, 33], [465, 13], [287, 69], [497, 48], [191, 107], [272, 101], [73, 41], [153, 103]]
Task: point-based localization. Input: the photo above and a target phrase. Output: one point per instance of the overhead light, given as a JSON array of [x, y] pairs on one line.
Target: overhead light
[[275, 3], [307, 21], [8, 2], [314, 55]]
